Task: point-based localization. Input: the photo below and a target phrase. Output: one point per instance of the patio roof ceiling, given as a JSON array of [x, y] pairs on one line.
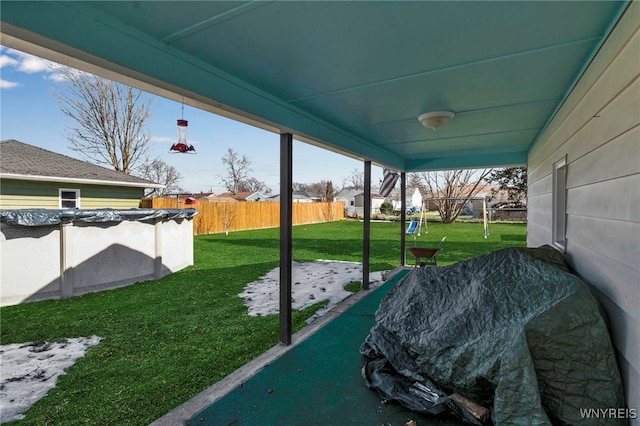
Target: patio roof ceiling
[[349, 76]]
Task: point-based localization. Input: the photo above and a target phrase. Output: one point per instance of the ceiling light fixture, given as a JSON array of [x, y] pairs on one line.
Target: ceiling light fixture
[[435, 120]]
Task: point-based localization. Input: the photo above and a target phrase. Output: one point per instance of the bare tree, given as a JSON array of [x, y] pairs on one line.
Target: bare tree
[[322, 190], [160, 172], [237, 178], [237, 169], [354, 181], [301, 187], [226, 212], [450, 190], [253, 185], [110, 119]]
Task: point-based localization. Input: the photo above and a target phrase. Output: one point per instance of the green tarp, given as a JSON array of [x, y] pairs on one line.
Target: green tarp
[[512, 330]]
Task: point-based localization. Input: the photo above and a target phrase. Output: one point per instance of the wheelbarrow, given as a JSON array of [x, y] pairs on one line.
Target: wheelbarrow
[[426, 256]]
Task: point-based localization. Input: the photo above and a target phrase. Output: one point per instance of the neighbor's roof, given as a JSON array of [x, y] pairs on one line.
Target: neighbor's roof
[[218, 198], [296, 195], [243, 196], [350, 193], [303, 195], [22, 161]]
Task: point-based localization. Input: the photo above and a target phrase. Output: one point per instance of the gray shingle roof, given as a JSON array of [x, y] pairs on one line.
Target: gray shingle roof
[[18, 158]]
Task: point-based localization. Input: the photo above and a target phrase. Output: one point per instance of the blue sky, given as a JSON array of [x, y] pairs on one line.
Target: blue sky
[[30, 114]]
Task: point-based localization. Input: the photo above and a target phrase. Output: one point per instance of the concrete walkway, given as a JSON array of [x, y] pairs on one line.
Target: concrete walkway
[[316, 380]]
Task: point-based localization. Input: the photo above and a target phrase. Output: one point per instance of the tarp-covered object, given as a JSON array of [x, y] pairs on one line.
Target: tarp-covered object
[[43, 217], [512, 330]]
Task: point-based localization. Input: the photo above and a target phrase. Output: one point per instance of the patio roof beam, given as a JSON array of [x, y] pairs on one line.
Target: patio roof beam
[[286, 225], [477, 161]]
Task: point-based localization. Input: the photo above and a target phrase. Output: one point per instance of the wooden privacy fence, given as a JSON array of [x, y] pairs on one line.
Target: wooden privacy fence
[[217, 217]]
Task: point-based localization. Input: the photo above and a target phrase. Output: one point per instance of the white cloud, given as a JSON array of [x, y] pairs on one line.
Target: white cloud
[[6, 60], [5, 84], [30, 64], [58, 77]]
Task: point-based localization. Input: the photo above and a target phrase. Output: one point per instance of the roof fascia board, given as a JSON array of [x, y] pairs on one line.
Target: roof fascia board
[[478, 161], [13, 176], [142, 59]]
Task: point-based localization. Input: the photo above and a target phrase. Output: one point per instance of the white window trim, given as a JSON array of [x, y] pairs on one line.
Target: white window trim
[[559, 204], [61, 190]]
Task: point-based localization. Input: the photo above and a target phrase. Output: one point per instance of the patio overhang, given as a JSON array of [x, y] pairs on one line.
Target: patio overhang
[[348, 76]]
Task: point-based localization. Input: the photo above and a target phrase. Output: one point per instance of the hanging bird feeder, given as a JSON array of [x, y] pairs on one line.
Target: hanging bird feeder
[[182, 146]]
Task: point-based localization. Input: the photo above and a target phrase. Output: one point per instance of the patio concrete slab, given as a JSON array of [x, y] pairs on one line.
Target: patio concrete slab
[[315, 381]]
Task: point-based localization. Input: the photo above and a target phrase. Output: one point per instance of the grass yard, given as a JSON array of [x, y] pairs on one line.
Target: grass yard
[[165, 341]]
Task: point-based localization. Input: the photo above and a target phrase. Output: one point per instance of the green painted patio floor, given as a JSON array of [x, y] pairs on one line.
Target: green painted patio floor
[[317, 382]]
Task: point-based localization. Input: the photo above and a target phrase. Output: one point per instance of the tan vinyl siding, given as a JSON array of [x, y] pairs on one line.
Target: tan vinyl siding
[[598, 129], [99, 197], [17, 194], [27, 202], [111, 203]]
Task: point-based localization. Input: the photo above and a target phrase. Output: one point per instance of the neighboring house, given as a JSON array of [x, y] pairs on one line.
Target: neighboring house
[[246, 196], [473, 207], [479, 191], [376, 202], [32, 177], [298, 197], [414, 201], [187, 199], [348, 197], [181, 200], [218, 199], [353, 200], [197, 195], [303, 197]]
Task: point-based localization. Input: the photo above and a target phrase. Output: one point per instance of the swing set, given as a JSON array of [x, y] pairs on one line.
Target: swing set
[[426, 256]]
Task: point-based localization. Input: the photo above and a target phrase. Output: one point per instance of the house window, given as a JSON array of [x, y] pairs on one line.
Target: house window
[[352, 203], [559, 205], [69, 198]]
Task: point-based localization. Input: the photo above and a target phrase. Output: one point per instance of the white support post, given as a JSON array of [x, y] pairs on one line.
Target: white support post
[[67, 283]]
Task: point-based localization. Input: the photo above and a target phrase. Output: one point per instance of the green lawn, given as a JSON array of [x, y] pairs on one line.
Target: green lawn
[[165, 341]]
